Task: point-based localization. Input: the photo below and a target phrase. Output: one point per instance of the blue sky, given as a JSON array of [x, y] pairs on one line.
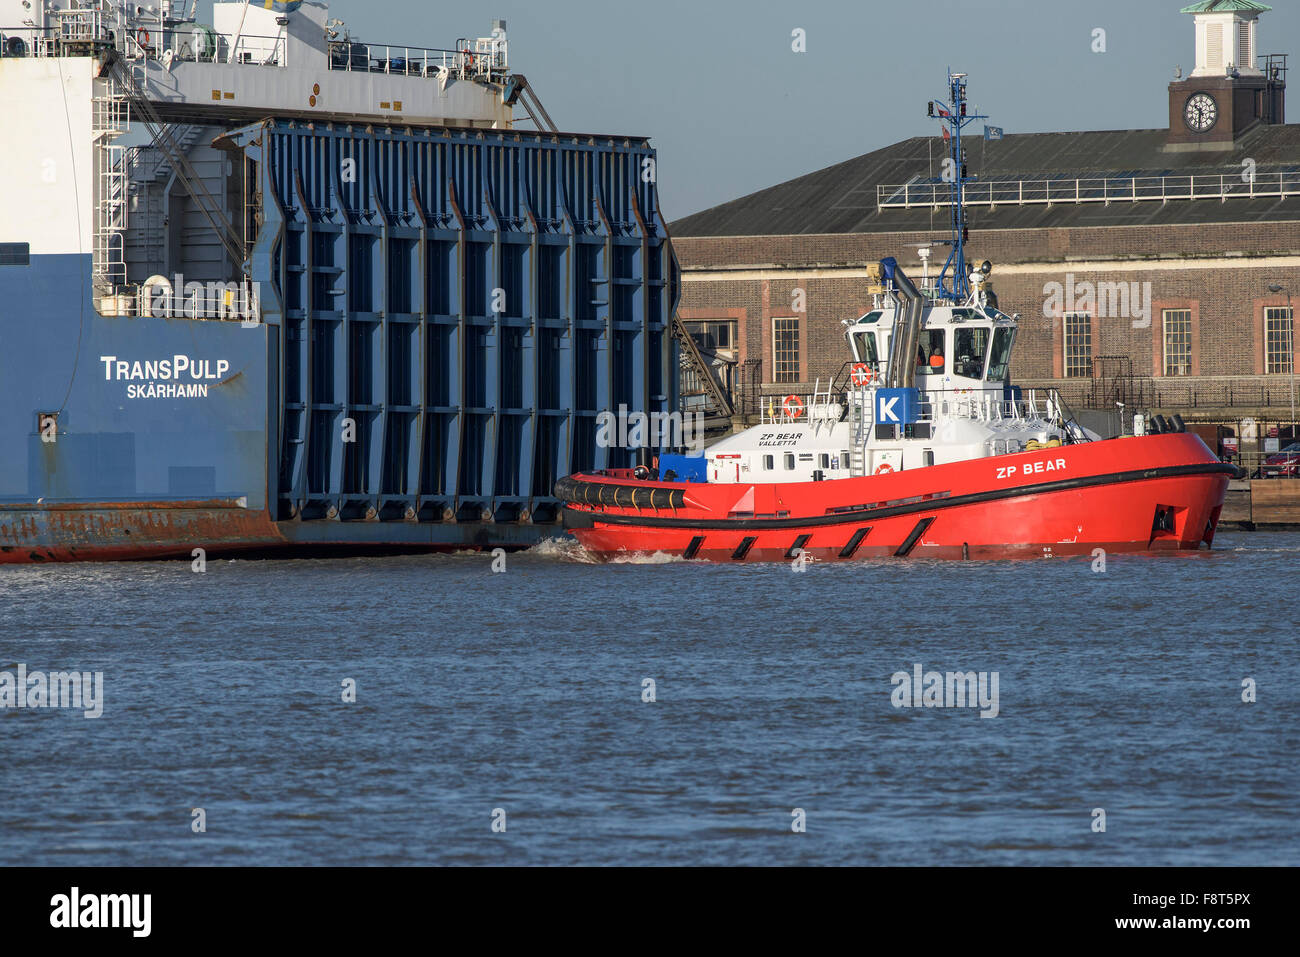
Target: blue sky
[[731, 108]]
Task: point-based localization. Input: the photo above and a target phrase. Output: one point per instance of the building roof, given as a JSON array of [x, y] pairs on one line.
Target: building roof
[[1225, 6], [843, 198]]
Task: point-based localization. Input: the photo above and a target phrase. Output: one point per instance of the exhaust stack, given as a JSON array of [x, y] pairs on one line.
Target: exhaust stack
[[907, 331]]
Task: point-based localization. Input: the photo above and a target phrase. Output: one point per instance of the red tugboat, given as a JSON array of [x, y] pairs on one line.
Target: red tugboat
[[928, 451]]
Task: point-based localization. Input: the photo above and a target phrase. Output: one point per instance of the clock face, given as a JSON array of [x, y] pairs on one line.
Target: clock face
[[1201, 112]]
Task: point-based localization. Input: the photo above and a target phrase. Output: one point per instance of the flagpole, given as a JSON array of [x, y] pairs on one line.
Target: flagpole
[[234, 44]]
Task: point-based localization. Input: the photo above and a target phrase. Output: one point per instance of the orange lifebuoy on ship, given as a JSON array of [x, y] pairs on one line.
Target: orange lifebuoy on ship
[[792, 406], [861, 374], [142, 37], [469, 57], [884, 468]]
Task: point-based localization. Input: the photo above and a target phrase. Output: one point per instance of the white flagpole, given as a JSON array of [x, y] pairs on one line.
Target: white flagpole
[[234, 44]]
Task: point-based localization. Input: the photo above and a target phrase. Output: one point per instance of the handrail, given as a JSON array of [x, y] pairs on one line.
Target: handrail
[[1110, 189], [482, 58]]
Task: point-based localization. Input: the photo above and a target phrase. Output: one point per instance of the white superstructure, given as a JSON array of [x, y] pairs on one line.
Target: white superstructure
[[112, 111], [291, 59], [912, 397]]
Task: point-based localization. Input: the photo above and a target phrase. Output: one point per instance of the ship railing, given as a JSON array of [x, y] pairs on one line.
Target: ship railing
[[467, 62], [819, 407], [74, 33], [1035, 406], [83, 31], [248, 49], [233, 301], [984, 406]]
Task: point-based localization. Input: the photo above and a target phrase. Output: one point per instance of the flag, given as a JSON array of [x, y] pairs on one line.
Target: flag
[[993, 132], [946, 135]]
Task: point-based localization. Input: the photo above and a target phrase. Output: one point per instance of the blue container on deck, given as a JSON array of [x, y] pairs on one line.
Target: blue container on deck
[[686, 468]]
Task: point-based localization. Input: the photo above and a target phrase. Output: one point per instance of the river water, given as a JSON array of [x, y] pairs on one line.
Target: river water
[[518, 699]]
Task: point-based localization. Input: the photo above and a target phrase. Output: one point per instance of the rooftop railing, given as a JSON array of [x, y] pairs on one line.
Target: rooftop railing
[[1046, 192]]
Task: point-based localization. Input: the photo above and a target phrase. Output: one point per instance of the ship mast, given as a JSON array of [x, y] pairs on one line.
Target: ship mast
[[953, 282]]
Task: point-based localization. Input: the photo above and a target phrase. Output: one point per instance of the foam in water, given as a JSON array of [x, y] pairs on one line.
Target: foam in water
[[569, 550], [564, 549]]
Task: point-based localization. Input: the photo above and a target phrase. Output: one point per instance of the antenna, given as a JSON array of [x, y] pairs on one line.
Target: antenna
[[955, 116], [923, 250]]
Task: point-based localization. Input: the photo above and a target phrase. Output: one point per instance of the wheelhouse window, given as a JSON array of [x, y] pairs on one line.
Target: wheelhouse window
[[929, 353], [1178, 341], [866, 350], [1000, 354], [1279, 350], [970, 345], [785, 350], [1078, 345]]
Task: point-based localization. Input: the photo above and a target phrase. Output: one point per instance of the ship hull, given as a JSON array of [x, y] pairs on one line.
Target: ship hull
[[142, 531], [1150, 494]]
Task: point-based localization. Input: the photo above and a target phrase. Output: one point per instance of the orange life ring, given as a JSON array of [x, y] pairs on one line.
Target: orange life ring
[[142, 37], [861, 374], [884, 468], [792, 405], [469, 54]]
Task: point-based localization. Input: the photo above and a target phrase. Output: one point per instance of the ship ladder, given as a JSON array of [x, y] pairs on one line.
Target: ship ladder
[[858, 429]]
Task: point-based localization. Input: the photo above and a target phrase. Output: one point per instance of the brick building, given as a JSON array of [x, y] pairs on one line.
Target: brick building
[[1139, 261]]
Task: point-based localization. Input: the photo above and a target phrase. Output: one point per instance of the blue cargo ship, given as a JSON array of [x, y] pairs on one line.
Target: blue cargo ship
[[267, 288]]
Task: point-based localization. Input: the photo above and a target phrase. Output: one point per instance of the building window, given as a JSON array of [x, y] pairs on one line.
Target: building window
[[1078, 346], [1178, 341], [1278, 332], [713, 335], [785, 350]]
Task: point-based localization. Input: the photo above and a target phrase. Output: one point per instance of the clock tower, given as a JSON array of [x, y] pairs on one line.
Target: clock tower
[[1229, 91]]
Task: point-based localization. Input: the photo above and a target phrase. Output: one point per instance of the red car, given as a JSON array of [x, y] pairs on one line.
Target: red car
[[1284, 463]]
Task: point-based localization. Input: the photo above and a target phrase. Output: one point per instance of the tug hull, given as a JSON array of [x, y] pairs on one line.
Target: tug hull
[[1143, 494]]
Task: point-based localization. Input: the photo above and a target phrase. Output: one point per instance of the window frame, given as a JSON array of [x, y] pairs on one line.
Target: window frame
[[1279, 360], [1075, 367], [785, 360], [1170, 365]]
